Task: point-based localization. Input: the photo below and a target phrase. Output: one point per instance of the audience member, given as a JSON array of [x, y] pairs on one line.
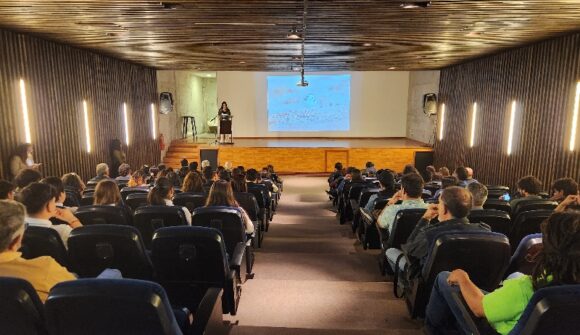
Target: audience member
[[107, 193], [102, 173], [444, 171], [558, 264], [124, 173], [208, 176], [22, 159], [478, 194], [6, 190], [563, 187], [572, 202], [205, 163], [370, 169], [26, 177], [193, 166], [73, 182], [409, 168], [41, 272], [162, 194], [224, 175], [429, 173], [336, 175], [138, 179], [58, 186], [239, 182], [193, 182], [470, 178], [184, 162], [183, 171], [174, 178], [387, 182], [462, 175], [228, 166], [528, 187], [221, 194], [40, 202], [445, 183], [266, 180], [410, 195]]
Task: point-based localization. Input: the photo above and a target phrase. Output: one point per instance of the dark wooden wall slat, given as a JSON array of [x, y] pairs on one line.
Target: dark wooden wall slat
[[58, 78], [542, 79]]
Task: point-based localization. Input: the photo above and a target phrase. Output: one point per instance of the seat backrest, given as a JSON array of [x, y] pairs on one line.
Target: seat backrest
[[495, 194], [533, 204], [191, 200], [522, 260], [21, 311], [73, 198], [125, 191], [366, 194], [380, 203], [259, 193], [136, 200], [356, 189], [93, 249], [228, 220], [499, 221], [552, 310], [405, 222], [109, 306], [483, 255], [432, 187], [249, 203], [525, 224], [103, 214], [498, 204], [147, 219], [498, 187], [88, 198], [43, 241]]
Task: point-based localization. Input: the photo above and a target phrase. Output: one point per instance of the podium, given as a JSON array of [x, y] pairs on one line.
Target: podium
[[225, 128]]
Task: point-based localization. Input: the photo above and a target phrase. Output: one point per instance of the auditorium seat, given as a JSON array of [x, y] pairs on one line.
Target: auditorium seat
[[497, 204], [21, 311], [248, 202], [523, 260], [147, 219], [189, 260], [125, 191], [103, 214], [371, 238], [190, 200], [483, 255], [42, 241], [525, 224], [552, 310], [499, 221], [136, 200], [93, 249], [533, 204], [261, 198], [363, 199], [73, 198], [229, 221], [432, 187], [122, 306], [88, 198]]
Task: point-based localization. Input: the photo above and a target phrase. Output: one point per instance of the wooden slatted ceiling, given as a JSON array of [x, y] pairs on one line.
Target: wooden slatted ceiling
[[542, 79], [218, 35]]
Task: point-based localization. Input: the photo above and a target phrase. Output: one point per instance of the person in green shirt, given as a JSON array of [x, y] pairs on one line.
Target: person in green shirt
[[557, 264]]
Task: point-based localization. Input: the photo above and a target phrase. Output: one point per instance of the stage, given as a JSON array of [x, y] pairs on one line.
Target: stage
[[301, 155]]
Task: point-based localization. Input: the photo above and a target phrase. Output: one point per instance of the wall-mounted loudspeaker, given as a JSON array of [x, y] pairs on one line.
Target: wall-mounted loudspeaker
[[165, 102], [430, 104]]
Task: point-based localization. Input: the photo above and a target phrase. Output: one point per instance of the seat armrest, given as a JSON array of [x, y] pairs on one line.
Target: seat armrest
[[238, 255], [366, 215], [477, 326], [209, 314]]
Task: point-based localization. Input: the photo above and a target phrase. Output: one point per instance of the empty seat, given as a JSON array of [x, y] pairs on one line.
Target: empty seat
[[499, 221], [533, 204], [190, 200], [125, 191], [525, 224], [524, 258], [483, 255], [93, 249], [147, 219], [497, 204], [42, 241], [189, 260], [136, 200], [103, 214], [249, 203], [119, 306], [21, 311]]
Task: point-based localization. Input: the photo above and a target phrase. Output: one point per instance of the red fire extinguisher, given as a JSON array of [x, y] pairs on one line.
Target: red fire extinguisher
[[161, 142]]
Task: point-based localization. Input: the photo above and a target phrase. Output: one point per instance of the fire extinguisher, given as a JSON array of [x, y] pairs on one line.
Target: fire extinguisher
[[161, 142]]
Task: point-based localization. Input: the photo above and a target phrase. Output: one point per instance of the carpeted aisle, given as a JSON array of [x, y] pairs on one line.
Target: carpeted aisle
[[312, 278]]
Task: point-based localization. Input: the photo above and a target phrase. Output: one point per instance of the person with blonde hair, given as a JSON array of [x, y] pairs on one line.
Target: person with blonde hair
[[138, 179]]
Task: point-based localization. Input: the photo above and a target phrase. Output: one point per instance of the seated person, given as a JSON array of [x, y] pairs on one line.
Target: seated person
[[26, 177], [253, 178], [102, 173], [445, 183], [409, 168], [193, 182], [239, 181], [162, 194], [528, 187], [205, 163], [470, 178], [73, 182], [572, 202], [193, 166], [221, 194], [138, 179], [174, 178], [387, 181], [273, 175], [208, 176], [6, 190], [224, 175], [124, 173], [462, 175], [563, 187], [61, 194], [107, 194], [444, 171], [42, 272], [266, 180], [370, 169], [558, 264], [410, 194], [478, 194], [40, 202], [335, 176]]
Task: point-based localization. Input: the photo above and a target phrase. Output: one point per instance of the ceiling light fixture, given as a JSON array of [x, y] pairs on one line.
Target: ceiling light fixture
[[367, 44], [392, 68], [415, 4]]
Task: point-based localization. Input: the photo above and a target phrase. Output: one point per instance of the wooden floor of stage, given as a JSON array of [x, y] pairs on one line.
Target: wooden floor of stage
[[302, 155]]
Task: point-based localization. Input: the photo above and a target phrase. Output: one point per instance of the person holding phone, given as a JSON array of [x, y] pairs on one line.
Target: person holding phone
[[22, 159]]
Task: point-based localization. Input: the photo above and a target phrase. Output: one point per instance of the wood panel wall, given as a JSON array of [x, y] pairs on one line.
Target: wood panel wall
[[58, 78], [542, 79]]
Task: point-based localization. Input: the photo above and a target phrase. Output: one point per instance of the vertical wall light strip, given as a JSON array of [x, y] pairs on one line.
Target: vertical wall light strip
[[87, 129], [575, 117], [126, 122], [153, 123], [24, 104], [442, 123], [473, 118], [511, 130]]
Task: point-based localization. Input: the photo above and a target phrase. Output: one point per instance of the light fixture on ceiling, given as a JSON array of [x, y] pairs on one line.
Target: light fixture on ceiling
[[392, 68], [367, 44], [242, 62], [293, 34], [415, 4]]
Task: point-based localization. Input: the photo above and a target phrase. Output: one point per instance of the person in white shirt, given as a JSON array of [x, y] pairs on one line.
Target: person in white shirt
[[162, 194], [40, 202]]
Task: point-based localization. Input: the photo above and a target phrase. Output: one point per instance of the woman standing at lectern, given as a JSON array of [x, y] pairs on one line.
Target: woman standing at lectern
[[225, 116]]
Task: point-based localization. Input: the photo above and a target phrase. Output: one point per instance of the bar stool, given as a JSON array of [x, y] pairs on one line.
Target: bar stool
[[185, 123]]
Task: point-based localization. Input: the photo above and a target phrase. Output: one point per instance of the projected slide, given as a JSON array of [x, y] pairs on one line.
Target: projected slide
[[322, 106]]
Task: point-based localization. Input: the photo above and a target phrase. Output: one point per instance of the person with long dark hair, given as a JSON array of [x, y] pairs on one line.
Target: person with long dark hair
[[117, 157], [22, 159], [162, 194], [193, 182], [221, 194], [557, 264], [224, 115]]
